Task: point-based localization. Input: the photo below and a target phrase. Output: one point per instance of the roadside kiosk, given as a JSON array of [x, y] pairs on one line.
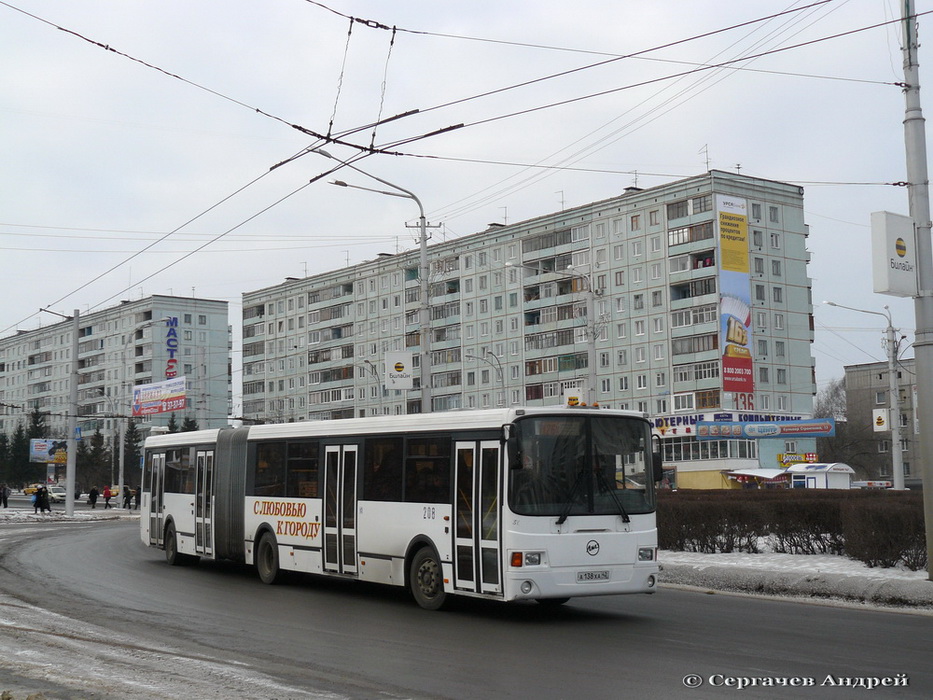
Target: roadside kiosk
[[821, 475]]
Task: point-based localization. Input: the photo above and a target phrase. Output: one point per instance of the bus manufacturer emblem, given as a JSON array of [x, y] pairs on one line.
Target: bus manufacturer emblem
[[592, 548]]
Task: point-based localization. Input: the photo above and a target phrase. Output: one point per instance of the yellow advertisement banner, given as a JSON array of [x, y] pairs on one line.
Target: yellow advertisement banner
[[733, 241]]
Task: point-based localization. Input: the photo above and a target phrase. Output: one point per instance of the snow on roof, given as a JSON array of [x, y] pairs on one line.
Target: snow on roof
[[821, 467], [766, 474]]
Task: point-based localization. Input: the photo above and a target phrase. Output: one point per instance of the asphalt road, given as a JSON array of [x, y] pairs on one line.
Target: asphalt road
[[362, 641]]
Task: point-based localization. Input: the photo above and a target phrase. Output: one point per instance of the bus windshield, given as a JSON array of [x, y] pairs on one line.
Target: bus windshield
[[581, 465]]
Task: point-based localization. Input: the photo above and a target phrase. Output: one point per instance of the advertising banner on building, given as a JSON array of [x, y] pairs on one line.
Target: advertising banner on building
[[159, 397], [735, 319], [398, 371], [814, 427], [48, 451]]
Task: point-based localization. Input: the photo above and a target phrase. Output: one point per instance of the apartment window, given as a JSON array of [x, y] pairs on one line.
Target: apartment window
[[638, 248], [760, 292], [776, 241], [656, 271], [881, 398], [660, 379], [620, 278], [658, 324], [761, 320], [653, 218], [639, 355], [778, 294], [677, 210], [756, 211], [779, 348], [779, 322], [764, 375], [776, 268], [759, 266], [763, 348], [641, 381], [659, 352], [638, 302], [683, 402], [639, 327], [680, 263], [660, 405], [622, 358], [604, 359], [782, 376], [623, 383], [635, 221], [655, 244], [621, 330], [618, 252], [636, 275], [773, 215], [605, 386], [757, 238]]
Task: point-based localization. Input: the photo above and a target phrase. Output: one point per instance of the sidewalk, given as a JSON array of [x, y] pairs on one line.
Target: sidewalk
[[824, 576]]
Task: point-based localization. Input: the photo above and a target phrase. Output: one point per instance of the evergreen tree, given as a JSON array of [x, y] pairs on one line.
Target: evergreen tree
[[6, 475], [132, 454], [37, 428], [189, 424], [22, 471], [172, 424]]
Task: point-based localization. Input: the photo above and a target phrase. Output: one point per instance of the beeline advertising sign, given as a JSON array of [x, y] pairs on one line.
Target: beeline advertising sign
[[398, 371]]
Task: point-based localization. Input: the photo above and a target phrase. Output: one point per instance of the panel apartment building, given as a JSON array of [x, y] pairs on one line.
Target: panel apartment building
[[867, 391], [119, 348], [689, 301]]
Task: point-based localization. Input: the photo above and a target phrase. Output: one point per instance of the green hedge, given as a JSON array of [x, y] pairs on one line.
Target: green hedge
[[879, 528]]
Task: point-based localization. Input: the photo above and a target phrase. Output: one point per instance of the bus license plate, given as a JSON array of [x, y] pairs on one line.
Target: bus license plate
[[585, 576]]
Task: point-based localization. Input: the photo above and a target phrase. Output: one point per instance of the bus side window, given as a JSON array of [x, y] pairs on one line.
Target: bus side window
[[382, 470], [269, 477], [427, 470]]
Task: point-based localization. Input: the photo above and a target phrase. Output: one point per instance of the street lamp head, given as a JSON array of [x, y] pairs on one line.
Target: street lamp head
[[322, 152], [339, 183]]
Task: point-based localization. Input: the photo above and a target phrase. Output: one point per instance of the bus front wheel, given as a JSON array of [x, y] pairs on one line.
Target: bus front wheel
[[426, 580], [172, 555], [267, 559]]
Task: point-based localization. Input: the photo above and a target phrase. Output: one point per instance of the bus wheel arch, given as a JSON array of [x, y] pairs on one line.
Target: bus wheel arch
[[424, 575], [266, 558]]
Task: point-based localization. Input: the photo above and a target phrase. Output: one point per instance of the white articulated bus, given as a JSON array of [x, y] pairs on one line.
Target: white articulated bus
[[512, 504]]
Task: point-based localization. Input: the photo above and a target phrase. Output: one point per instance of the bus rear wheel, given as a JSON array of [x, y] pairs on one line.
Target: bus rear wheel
[[267, 559], [426, 580]]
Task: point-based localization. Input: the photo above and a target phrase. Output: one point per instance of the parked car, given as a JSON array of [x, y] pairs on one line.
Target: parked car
[[57, 494]]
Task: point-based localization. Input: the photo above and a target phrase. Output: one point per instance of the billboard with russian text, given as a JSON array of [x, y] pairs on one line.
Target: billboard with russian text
[[159, 397]]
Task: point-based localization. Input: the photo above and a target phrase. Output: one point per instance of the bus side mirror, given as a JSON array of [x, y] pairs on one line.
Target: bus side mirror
[[658, 466], [513, 454]]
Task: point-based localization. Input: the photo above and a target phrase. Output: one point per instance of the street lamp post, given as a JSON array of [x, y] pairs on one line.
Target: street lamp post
[[497, 366], [425, 320], [379, 388], [591, 327], [123, 404], [897, 457]]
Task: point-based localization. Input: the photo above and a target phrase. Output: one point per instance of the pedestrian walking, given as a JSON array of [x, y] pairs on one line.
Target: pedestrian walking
[[4, 494], [42, 500], [137, 494], [92, 496], [108, 494], [127, 498]]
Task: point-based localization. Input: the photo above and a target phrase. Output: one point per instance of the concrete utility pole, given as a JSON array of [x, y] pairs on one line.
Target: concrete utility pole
[[919, 193], [72, 464]]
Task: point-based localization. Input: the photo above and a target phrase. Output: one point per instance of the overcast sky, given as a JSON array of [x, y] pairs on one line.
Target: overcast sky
[[124, 121]]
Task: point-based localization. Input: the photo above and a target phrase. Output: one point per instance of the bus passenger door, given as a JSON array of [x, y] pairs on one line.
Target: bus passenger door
[[476, 535], [340, 509], [203, 495], [156, 485]]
